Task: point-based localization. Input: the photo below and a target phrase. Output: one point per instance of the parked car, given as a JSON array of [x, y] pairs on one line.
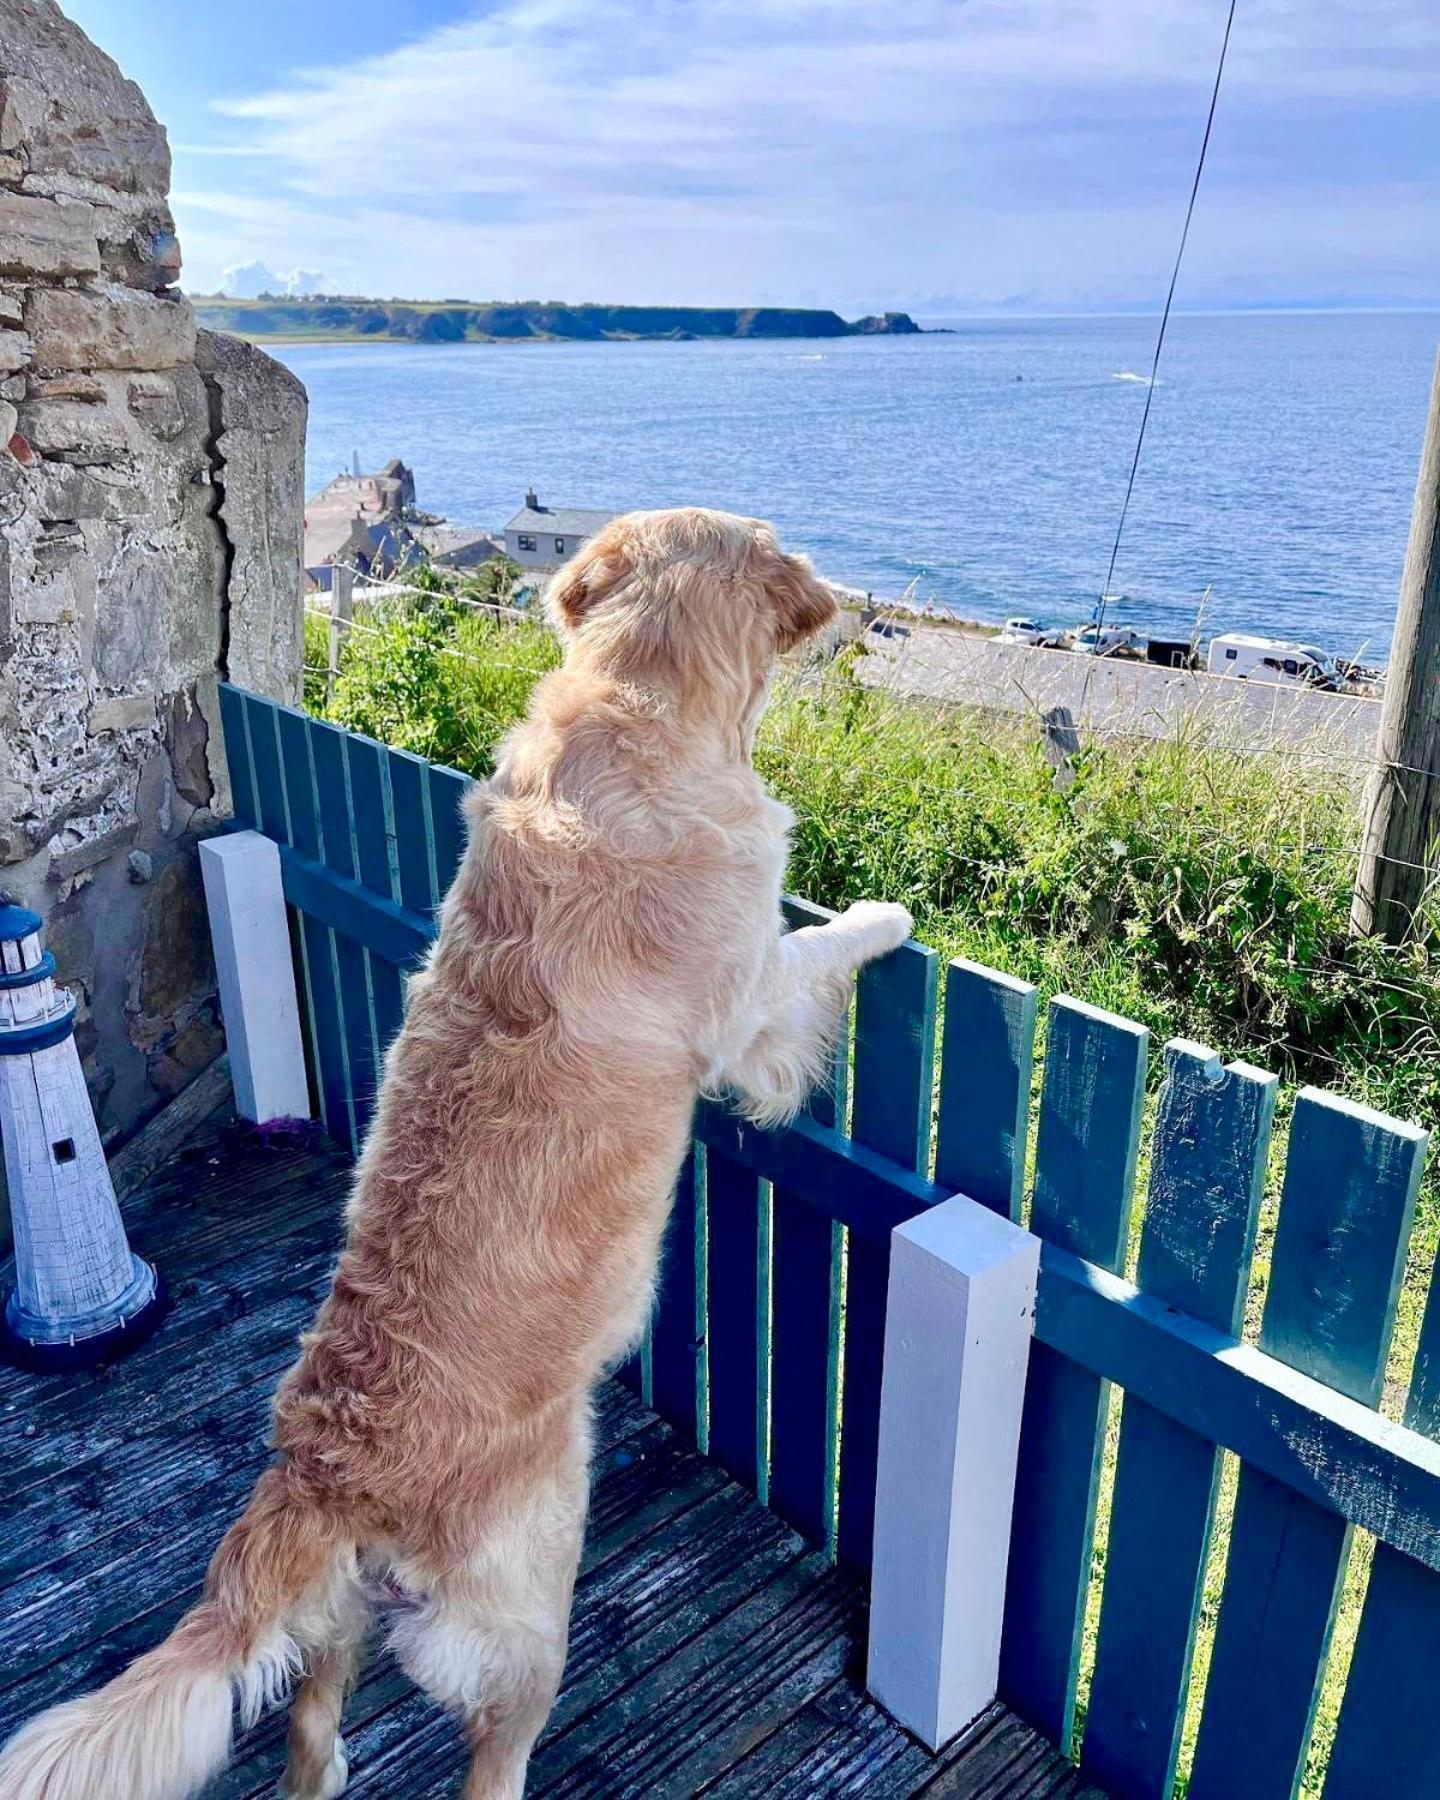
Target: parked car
[[1108, 640], [1021, 630], [1251, 658]]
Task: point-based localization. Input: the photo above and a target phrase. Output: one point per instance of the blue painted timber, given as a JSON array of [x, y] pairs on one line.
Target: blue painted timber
[[805, 1263], [1085, 1160], [260, 721], [410, 803], [677, 1331], [367, 765], [448, 789], [985, 1070], [1386, 1740], [1351, 1180], [734, 1332], [1212, 1138], [237, 755], [895, 1002], [1330, 1449], [342, 1037]]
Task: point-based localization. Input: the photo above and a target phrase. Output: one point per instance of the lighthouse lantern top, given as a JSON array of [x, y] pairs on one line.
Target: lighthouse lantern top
[[20, 952], [17, 922]]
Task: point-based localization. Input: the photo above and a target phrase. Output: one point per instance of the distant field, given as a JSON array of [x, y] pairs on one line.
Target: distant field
[[343, 320]]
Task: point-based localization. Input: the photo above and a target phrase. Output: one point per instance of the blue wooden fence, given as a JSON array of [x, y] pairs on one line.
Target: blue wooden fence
[[766, 1341]]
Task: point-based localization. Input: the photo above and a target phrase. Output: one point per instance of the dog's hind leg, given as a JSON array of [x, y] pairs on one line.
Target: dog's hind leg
[[488, 1640], [315, 1764]]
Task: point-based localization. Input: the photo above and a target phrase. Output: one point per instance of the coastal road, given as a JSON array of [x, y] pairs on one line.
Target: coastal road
[[1125, 699]]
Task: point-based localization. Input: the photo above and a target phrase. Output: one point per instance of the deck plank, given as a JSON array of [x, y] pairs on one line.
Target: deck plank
[[712, 1650]]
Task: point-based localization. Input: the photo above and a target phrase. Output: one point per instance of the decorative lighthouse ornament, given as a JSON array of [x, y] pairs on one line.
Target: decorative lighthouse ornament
[[80, 1293]]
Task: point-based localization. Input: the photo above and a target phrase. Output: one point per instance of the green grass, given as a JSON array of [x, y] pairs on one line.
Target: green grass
[[1202, 892]]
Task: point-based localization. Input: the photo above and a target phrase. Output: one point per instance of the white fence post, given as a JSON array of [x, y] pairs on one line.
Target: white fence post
[[342, 612], [258, 1002], [957, 1344]]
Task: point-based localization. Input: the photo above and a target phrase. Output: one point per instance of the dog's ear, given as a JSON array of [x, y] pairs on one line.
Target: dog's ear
[[802, 601], [595, 570]]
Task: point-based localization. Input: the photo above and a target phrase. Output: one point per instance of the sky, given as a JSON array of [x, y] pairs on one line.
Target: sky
[[942, 156]]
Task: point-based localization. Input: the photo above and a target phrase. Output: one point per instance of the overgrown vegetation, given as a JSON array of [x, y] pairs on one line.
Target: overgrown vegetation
[[1203, 892]]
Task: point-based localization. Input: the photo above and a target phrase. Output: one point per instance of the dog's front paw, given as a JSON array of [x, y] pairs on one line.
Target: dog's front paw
[[882, 926]]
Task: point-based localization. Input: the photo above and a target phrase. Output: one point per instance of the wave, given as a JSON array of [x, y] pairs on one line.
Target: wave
[[1130, 375]]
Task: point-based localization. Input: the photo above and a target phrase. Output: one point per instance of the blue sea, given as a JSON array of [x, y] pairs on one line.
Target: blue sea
[[981, 469]]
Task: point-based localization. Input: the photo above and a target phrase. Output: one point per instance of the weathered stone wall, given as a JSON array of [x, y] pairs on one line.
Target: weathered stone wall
[[150, 524]]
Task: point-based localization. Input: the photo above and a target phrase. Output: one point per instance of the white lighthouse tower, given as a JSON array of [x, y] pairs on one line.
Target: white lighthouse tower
[[80, 1293]]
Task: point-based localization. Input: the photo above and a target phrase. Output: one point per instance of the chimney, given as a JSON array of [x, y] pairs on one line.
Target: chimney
[[532, 500]]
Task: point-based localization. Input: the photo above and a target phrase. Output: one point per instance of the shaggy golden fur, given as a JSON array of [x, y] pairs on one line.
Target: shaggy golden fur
[[610, 948]]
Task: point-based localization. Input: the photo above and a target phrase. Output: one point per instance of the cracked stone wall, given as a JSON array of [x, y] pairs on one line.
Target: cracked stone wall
[[151, 504]]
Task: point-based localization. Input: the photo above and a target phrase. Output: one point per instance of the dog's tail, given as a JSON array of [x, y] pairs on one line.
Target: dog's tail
[[162, 1729]]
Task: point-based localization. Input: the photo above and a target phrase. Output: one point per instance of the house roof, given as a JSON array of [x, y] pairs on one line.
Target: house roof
[[331, 539], [559, 521]]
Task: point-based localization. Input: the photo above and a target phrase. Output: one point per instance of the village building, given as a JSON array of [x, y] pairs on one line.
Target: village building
[[361, 522], [542, 537]]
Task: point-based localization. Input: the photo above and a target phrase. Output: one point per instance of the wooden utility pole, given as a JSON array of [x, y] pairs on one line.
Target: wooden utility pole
[[342, 588], [1398, 850]]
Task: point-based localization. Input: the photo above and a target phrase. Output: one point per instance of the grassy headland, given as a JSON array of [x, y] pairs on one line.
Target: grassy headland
[[353, 320]]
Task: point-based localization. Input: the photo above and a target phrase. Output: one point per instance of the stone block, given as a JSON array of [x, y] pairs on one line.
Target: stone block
[[15, 349], [176, 962], [121, 712], [193, 1048], [109, 328], [68, 861], [62, 492], [58, 543], [47, 237], [154, 402], [11, 306], [60, 427], [65, 387], [12, 387], [9, 420], [187, 738]]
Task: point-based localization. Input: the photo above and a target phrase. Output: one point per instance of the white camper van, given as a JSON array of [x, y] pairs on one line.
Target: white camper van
[[1269, 659]]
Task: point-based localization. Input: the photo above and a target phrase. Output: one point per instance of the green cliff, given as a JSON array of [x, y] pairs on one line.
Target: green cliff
[[454, 321]]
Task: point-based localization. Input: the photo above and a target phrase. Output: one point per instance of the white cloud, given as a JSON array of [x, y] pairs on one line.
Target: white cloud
[[834, 152], [247, 281]]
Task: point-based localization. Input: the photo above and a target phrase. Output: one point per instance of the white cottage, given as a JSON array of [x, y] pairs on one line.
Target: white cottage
[[542, 537]]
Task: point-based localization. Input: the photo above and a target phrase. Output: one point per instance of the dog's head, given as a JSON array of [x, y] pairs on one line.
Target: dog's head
[[699, 599]]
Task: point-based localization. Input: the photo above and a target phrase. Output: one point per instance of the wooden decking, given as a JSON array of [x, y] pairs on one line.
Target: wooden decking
[[712, 1651]]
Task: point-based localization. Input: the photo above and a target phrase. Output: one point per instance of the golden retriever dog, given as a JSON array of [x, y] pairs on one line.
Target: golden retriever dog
[[610, 949]]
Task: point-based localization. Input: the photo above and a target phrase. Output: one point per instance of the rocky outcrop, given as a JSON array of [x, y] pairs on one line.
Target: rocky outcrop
[[150, 524]]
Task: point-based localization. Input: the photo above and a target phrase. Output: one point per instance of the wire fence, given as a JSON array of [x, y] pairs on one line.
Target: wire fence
[[1330, 755]]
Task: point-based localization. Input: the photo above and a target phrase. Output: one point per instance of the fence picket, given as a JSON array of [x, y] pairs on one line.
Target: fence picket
[[1351, 1180], [448, 789], [1211, 1140], [1085, 1160], [260, 721], [1385, 1740], [805, 1326], [319, 947], [735, 1341], [985, 1068], [677, 1330], [365, 762], [237, 755], [894, 1062], [410, 803]]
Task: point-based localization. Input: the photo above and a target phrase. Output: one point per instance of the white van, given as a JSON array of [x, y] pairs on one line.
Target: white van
[[1250, 658]]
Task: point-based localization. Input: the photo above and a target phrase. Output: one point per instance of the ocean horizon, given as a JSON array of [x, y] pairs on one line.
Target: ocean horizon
[[979, 469]]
